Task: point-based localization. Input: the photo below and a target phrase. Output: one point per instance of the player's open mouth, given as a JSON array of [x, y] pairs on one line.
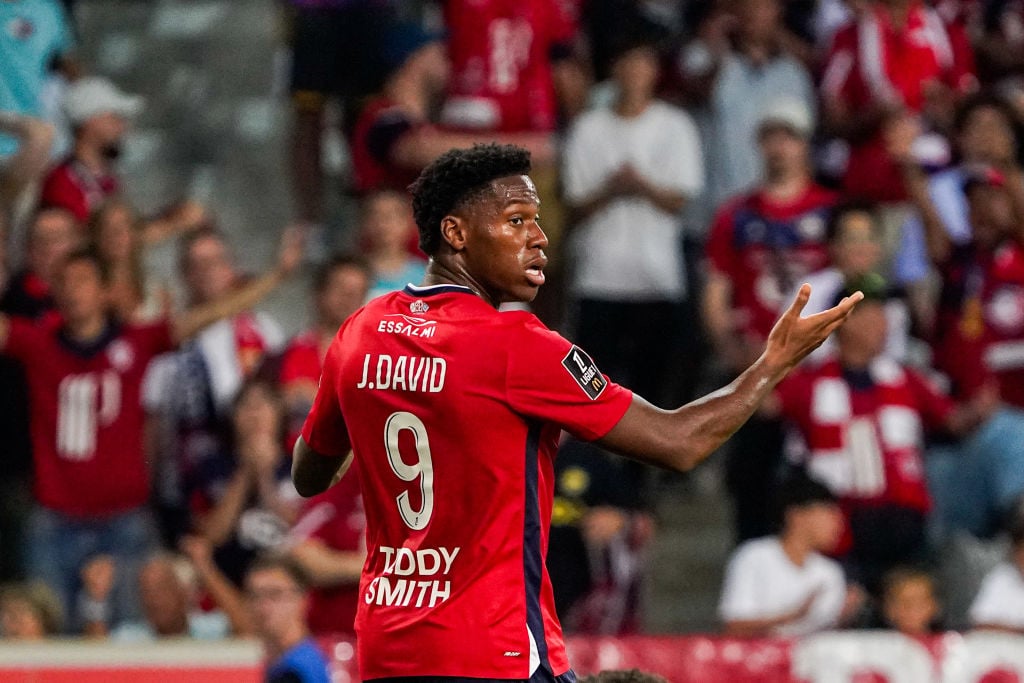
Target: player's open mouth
[[535, 274]]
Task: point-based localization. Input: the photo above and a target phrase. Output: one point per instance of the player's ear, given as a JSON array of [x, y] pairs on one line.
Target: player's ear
[[453, 231]]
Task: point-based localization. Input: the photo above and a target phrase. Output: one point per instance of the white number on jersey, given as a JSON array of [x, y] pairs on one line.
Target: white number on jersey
[[85, 403], [510, 51], [423, 469]]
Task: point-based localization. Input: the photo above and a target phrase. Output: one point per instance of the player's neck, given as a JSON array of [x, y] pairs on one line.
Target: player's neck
[[444, 273], [86, 331]]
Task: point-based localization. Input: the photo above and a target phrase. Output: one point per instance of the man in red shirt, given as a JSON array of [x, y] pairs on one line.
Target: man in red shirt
[[762, 244], [454, 409], [84, 374]]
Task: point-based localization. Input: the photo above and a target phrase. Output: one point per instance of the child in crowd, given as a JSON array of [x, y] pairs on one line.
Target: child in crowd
[[910, 603], [388, 229]]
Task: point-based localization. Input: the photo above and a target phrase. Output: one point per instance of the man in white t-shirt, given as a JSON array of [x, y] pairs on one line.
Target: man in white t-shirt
[[782, 585], [999, 604]]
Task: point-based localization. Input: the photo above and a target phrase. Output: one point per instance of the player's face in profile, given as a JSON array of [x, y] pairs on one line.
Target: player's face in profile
[[80, 292], [504, 248]]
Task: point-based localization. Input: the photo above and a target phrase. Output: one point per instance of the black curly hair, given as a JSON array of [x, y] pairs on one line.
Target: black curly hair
[[457, 177]]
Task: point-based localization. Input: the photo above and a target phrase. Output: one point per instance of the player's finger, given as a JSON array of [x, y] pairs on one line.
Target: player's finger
[[797, 307], [837, 312]]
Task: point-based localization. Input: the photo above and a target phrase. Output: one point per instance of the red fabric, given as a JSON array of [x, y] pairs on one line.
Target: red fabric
[[980, 331], [925, 51], [500, 56], [335, 518], [73, 187], [87, 418], [302, 361], [825, 407], [765, 248], [370, 172], [496, 391], [249, 342]]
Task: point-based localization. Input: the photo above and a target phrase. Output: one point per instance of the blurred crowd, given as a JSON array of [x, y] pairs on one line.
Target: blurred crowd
[[697, 162]]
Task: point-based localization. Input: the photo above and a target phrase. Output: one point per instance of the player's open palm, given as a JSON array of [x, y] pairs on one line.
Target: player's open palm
[[793, 336]]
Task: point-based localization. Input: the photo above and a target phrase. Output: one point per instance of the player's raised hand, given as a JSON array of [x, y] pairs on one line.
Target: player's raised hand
[[793, 336]]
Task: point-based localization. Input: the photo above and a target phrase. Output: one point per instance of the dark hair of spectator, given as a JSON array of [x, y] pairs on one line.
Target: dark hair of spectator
[[457, 178], [981, 100], [898, 576], [798, 491], [336, 263], [839, 213], [630, 676], [273, 391], [284, 563], [89, 255], [640, 34], [185, 246]]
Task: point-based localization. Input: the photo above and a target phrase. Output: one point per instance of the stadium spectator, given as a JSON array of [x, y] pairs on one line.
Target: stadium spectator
[[21, 170], [736, 70], [189, 393], [339, 288], [276, 591], [329, 543], [52, 235], [862, 418], [29, 611], [243, 501], [762, 244], [784, 585], [899, 63], [627, 172], [999, 605], [36, 35], [910, 603], [387, 228], [855, 249], [86, 421], [1000, 45]]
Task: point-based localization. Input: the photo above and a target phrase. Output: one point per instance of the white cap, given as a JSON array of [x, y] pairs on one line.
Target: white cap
[[790, 113], [94, 95]]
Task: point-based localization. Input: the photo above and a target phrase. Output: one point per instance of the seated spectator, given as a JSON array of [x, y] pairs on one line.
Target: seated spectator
[[862, 419], [84, 375], [784, 585], [52, 235], [339, 288], [276, 592], [244, 500], [387, 228], [329, 543], [909, 602], [855, 247], [29, 611], [999, 605]]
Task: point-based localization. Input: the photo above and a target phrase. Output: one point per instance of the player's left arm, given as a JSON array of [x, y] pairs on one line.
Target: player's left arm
[[680, 439], [314, 472], [195, 319]]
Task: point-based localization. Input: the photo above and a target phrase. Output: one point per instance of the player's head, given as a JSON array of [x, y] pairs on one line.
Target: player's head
[[387, 223], [985, 129], [275, 589], [809, 512], [990, 206], [340, 287], [478, 216], [854, 238], [82, 287], [165, 591], [910, 602], [113, 229], [863, 338], [52, 235], [205, 263]]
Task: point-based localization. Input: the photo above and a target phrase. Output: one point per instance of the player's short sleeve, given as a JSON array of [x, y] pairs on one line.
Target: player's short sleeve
[[324, 430], [24, 340], [550, 379]]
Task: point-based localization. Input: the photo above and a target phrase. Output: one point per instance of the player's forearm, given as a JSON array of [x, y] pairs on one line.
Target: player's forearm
[[314, 473], [195, 319]]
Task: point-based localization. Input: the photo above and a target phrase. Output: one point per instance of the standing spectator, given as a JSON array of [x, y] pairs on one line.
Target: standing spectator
[[243, 499], [35, 35], [737, 69], [762, 244], [190, 392], [84, 375], [898, 62], [628, 171], [999, 605], [387, 228], [329, 543], [52, 235], [862, 419], [784, 585], [276, 589], [910, 603]]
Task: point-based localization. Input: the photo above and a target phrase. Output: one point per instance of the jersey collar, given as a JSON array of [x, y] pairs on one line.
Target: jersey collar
[[431, 290]]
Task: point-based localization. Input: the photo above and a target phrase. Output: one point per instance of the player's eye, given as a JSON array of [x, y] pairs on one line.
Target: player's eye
[[516, 220]]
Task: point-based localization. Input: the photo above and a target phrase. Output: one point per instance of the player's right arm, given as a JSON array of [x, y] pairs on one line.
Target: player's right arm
[[680, 439]]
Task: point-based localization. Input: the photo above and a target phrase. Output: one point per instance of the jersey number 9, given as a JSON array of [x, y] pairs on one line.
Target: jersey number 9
[[423, 469]]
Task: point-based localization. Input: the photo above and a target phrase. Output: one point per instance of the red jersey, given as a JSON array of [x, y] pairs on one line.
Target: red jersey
[[872, 62], [501, 52], [74, 187], [86, 416], [454, 411], [865, 431], [336, 519], [980, 331], [765, 248], [301, 361]]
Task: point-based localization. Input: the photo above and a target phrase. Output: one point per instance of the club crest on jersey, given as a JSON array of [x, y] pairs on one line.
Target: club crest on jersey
[[583, 369], [120, 355], [419, 306]]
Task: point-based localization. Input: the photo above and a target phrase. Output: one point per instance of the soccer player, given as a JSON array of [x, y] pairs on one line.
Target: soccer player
[[454, 410]]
